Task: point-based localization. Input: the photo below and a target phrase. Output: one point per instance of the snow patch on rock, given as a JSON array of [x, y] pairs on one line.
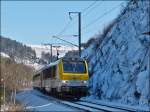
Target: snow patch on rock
[[118, 66]]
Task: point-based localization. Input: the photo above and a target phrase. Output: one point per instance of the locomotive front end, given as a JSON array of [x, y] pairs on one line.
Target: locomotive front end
[[74, 77]]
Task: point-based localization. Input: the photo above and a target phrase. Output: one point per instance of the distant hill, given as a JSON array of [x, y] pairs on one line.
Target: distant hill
[[32, 55], [16, 50], [63, 49]]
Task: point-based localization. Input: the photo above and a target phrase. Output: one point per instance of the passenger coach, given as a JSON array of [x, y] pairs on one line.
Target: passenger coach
[[66, 76]]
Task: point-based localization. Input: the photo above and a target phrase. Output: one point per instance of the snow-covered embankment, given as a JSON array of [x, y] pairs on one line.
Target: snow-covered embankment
[[119, 66]]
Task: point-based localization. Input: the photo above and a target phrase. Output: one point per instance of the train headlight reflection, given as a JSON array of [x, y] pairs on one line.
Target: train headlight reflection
[[64, 81], [84, 82]]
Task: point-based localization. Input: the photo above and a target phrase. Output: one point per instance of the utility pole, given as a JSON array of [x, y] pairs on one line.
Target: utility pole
[[51, 51], [57, 51], [79, 33], [66, 41], [79, 28]]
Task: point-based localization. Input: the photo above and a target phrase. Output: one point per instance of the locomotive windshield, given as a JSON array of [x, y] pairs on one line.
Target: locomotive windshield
[[74, 66]]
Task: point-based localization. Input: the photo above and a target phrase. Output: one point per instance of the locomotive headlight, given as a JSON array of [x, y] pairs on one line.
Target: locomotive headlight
[[64, 81], [84, 82]]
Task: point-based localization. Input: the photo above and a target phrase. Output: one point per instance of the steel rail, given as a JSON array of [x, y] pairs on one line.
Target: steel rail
[[111, 106], [86, 107]]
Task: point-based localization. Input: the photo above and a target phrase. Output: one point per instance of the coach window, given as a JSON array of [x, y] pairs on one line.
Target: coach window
[[53, 72], [36, 77], [47, 73]]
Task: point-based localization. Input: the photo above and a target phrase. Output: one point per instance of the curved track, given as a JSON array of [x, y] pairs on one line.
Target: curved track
[[86, 106]]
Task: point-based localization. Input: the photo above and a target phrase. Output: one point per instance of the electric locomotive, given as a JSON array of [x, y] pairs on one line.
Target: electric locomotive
[[67, 76]]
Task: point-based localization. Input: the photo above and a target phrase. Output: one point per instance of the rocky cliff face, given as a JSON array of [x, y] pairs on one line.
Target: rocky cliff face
[[119, 65]]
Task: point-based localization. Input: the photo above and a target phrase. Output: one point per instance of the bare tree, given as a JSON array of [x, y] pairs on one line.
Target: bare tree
[[16, 76]]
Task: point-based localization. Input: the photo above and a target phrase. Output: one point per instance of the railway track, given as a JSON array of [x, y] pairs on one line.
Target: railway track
[[88, 107], [71, 104], [110, 106], [85, 106]]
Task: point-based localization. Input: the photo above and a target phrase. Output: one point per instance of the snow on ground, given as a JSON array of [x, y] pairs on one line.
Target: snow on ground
[[27, 62], [4, 55], [33, 101]]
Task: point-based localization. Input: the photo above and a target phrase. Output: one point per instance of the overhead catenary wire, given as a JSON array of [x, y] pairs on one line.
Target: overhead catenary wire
[[69, 23], [98, 18], [91, 9], [101, 16], [85, 9], [92, 22], [64, 29], [65, 41]]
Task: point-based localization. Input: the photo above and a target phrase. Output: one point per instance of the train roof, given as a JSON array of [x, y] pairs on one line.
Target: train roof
[[73, 58], [48, 65]]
